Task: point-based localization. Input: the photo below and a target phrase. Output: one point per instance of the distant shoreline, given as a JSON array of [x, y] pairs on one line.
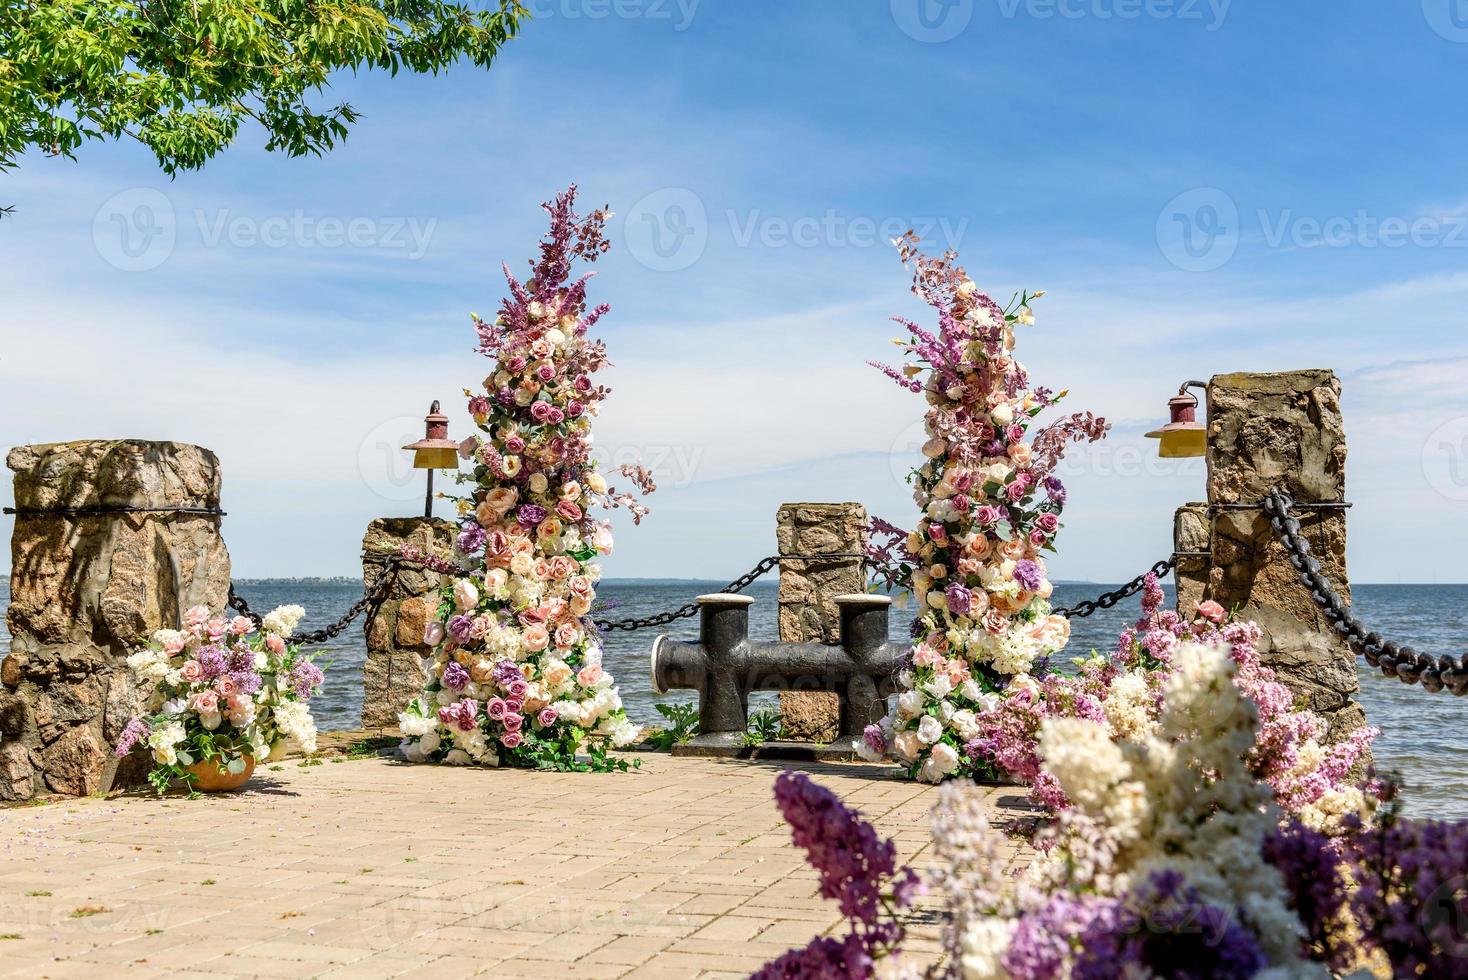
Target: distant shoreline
[[356, 580]]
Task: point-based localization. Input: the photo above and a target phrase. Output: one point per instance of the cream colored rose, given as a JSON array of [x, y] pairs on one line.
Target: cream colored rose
[[596, 482]]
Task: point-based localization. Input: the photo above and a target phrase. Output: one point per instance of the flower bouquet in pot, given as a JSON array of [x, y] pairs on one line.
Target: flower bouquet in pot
[[225, 695]]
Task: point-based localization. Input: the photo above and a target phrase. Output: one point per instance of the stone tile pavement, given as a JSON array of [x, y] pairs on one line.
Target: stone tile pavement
[[370, 868]]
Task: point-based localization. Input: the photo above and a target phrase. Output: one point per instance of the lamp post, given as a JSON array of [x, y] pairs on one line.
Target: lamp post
[[435, 451], [1184, 437]]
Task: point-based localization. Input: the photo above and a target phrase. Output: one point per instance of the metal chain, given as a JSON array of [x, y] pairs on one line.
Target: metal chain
[[372, 595], [1108, 599], [738, 585], [1402, 662]]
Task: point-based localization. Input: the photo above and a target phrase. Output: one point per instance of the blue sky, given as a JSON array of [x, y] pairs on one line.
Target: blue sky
[[1202, 187]]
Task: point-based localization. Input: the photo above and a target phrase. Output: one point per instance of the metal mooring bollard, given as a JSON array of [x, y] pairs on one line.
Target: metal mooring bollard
[[724, 666]]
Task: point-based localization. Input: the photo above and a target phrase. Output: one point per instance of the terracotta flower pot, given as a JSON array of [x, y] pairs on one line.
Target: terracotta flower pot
[[209, 779]]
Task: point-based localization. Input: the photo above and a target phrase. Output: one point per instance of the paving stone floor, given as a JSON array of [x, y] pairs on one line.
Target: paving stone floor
[[371, 868]]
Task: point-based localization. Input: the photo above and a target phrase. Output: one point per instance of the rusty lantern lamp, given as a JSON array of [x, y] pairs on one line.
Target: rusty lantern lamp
[[435, 451], [1184, 437]]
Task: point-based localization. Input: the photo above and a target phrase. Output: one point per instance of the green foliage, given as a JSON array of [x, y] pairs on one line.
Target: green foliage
[[682, 725], [765, 725], [180, 76]]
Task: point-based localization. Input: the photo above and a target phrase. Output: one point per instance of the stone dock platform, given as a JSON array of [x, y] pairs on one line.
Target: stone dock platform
[[373, 868]]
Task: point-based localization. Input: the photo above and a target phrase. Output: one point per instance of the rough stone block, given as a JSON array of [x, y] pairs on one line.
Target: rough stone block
[[810, 716], [87, 587]]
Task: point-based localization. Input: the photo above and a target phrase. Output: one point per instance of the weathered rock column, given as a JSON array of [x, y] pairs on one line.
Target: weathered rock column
[[87, 584], [394, 673], [808, 590], [1268, 430]]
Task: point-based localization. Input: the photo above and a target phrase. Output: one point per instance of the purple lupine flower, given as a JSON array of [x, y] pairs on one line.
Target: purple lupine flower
[[137, 729], [471, 539], [1312, 870], [306, 677], [844, 849], [455, 677], [214, 660], [247, 681], [1027, 574], [460, 627], [530, 515], [960, 599], [824, 959]]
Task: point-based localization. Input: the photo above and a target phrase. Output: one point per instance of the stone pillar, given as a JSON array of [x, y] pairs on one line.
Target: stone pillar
[[808, 590], [88, 583], [394, 673], [1267, 430]]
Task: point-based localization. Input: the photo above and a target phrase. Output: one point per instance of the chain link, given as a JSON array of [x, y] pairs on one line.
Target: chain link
[[1392, 659], [738, 585], [372, 595], [1108, 599]]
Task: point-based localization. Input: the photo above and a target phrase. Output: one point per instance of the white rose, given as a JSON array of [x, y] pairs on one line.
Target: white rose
[[457, 757], [940, 687], [466, 596], [965, 722], [929, 729], [945, 757], [910, 703], [971, 690], [1002, 414]]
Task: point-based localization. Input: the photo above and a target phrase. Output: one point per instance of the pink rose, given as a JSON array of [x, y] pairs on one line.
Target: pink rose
[[1212, 612], [567, 635], [569, 509], [515, 444], [226, 686], [540, 411], [547, 717], [582, 384], [274, 644], [217, 628], [1038, 537], [546, 372], [433, 634], [580, 585], [588, 676], [192, 671], [575, 409], [511, 740], [996, 622], [1048, 523], [513, 723], [196, 616], [536, 638], [241, 625], [987, 514], [981, 547], [205, 702], [174, 645], [495, 708]]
